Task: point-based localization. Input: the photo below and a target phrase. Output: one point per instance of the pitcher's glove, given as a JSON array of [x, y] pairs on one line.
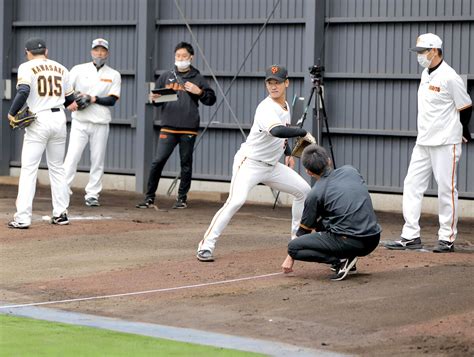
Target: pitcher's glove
[[301, 143], [82, 100], [22, 119]]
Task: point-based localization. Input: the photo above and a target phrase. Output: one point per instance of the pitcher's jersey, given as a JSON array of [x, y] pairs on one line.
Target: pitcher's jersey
[[441, 96], [260, 144], [104, 82], [48, 81]]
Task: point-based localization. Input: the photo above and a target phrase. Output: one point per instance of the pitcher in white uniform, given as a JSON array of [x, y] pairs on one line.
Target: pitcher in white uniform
[[44, 85], [444, 112], [91, 125], [257, 161]]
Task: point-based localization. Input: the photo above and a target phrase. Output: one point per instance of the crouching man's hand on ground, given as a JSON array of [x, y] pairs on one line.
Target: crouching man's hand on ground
[[287, 265]]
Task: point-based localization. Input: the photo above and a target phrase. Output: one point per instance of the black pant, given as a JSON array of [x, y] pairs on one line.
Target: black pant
[[329, 248], [166, 145]]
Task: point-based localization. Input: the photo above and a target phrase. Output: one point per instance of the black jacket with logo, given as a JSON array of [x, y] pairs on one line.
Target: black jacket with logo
[[183, 113]]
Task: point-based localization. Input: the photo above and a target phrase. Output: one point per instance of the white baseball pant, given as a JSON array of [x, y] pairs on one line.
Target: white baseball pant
[[81, 134], [246, 174], [442, 161], [47, 132]]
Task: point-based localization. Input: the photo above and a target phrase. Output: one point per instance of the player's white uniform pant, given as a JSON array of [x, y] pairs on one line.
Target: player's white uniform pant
[[47, 132], [81, 134], [442, 161], [246, 174]]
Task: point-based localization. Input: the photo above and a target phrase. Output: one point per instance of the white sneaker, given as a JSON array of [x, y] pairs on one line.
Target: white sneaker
[[205, 256], [17, 225]]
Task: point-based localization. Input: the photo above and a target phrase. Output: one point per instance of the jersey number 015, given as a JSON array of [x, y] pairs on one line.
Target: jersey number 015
[[51, 86]]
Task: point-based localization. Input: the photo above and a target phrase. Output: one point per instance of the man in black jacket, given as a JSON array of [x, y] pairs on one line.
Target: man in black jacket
[[179, 121], [340, 210]]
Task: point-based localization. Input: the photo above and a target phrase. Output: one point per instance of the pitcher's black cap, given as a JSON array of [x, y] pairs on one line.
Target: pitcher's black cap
[[276, 72]]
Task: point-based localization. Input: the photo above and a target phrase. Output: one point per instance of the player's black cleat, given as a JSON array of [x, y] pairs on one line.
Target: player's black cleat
[[17, 225], [61, 220], [149, 202], [205, 256], [444, 247], [402, 244], [180, 204], [344, 268]]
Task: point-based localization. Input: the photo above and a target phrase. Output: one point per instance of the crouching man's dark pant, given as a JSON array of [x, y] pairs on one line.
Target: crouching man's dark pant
[[329, 248]]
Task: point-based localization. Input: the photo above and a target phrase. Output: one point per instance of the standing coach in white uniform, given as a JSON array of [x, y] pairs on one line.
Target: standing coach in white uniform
[[257, 161], [444, 112], [102, 83], [44, 85]]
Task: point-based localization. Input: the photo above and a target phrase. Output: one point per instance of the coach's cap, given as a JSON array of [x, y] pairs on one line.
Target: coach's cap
[[426, 41], [276, 72], [35, 44], [100, 42]]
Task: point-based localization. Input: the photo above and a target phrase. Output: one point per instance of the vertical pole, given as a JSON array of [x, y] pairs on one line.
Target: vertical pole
[[314, 52], [6, 25], [144, 134]]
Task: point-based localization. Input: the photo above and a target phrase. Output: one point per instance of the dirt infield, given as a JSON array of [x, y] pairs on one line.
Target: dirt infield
[[400, 303]]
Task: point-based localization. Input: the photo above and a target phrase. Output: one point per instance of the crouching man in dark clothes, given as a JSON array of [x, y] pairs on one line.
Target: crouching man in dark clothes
[[340, 210]]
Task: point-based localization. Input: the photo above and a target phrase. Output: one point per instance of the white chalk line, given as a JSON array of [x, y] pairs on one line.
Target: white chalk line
[[80, 218], [264, 217], [140, 292]]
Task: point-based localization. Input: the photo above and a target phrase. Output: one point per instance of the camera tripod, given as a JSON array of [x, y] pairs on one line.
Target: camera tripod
[[319, 112]]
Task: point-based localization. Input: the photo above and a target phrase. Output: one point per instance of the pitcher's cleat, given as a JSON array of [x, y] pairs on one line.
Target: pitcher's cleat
[[205, 256]]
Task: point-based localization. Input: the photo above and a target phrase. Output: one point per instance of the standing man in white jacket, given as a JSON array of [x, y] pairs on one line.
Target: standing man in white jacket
[[98, 86], [444, 112]]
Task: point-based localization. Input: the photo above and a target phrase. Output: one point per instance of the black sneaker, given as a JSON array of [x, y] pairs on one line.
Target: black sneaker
[[335, 266], [344, 268], [17, 225], [402, 244], [149, 202], [180, 204], [444, 247], [61, 220], [205, 256], [92, 202]]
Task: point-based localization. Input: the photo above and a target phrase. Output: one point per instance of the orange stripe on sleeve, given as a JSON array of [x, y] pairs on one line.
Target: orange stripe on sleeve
[[179, 131], [306, 227]]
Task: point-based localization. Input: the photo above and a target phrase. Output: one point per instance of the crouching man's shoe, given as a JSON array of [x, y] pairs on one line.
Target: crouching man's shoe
[[404, 243], [344, 268], [444, 247]]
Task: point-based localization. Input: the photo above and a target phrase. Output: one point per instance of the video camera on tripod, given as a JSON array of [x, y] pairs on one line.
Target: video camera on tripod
[[316, 73]]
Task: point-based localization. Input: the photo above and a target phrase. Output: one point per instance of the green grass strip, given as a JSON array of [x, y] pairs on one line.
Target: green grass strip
[[27, 337]]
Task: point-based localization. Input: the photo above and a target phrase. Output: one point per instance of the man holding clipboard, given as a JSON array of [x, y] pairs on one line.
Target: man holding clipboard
[[177, 96]]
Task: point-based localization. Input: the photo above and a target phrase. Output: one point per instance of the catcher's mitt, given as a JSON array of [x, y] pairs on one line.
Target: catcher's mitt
[[301, 143], [82, 100], [22, 119]]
